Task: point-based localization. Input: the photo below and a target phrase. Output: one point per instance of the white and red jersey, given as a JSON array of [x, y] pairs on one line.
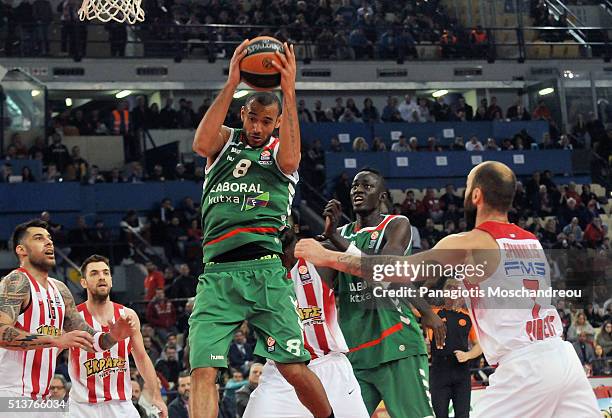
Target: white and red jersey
[[505, 324], [316, 305], [28, 373], [102, 376]]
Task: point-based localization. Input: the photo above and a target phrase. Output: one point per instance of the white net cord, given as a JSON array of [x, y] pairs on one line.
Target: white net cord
[[129, 11]]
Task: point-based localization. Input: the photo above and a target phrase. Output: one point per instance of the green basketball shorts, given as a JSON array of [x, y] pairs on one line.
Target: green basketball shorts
[[402, 384], [255, 290]]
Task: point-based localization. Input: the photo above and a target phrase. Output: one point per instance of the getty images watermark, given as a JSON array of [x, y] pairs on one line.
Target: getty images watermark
[[475, 272]]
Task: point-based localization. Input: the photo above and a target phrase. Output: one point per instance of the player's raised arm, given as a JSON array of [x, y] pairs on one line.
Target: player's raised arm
[[102, 341], [211, 135], [288, 157], [451, 250], [15, 295], [146, 369]]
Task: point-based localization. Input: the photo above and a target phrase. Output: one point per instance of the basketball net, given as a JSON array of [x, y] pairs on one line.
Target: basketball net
[[128, 11]]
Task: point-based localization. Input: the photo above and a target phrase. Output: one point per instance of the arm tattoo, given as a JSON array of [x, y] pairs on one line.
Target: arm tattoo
[[292, 134], [73, 320], [14, 293], [13, 338]]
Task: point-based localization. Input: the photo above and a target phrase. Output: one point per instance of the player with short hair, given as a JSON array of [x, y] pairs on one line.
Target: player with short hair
[[274, 397], [38, 318], [101, 382], [250, 180], [387, 349], [538, 374]]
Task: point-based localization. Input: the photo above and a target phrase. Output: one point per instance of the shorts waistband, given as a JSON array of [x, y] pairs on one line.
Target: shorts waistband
[[535, 346], [272, 260]]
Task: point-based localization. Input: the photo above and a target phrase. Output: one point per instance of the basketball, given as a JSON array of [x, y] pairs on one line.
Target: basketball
[[256, 67]]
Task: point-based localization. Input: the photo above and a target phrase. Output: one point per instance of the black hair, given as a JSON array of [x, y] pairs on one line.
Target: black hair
[[264, 98], [497, 185], [21, 230], [93, 259]]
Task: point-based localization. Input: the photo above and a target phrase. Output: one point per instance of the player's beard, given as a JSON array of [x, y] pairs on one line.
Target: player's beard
[[470, 212], [42, 263], [100, 297]]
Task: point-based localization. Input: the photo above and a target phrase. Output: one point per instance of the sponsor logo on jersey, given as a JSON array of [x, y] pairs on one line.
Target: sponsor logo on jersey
[[49, 330], [237, 187], [271, 342], [104, 366], [374, 235], [313, 313], [305, 276], [265, 158], [214, 357], [257, 201], [525, 268]]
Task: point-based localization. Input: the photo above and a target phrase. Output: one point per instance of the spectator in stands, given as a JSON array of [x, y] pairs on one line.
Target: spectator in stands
[[26, 175], [541, 111], [186, 115], [360, 144], [448, 44], [348, 117], [580, 325], [593, 315], [604, 338], [423, 114], [58, 388], [491, 145], [181, 174], [334, 145], [21, 151], [115, 176], [52, 175], [229, 394], [370, 112], [378, 145], [153, 281], [179, 407], [493, 109], [481, 114], [407, 108], [350, 105], [362, 47], [120, 123], [432, 145], [579, 129], [467, 110], [543, 205], [430, 233], [43, 16], [135, 173], [157, 174], [388, 110], [304, 114], [176, 237], [570, 211], [39, 146], [564, 143], [517, 111], [482, 373], [168, 365], [58, 152], [78, 238], [413, 144], [587, 195], [583, 348], [449, 197], [94, 176], [478, 42], [458, 144], [140, 114], [441, 110], [594, 233], [474, 144], [6, 172], [338, 109], [600, 363], [319, 113], [168, 116], [240, 353], [81, 165], [573, 228], [184, 285], [243, 394], [401, 145], [161, 313]]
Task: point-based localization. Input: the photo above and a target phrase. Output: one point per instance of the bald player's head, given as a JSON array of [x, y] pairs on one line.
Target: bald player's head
[[490, 187]]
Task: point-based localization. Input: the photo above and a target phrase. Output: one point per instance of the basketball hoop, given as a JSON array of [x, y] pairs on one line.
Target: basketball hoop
[[129, 11]]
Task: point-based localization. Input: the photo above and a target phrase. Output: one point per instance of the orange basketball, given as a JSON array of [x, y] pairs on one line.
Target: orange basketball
[[256, 67]]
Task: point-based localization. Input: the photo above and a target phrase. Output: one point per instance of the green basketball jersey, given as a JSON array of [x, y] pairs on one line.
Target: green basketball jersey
[[246, 198], [377, 330]]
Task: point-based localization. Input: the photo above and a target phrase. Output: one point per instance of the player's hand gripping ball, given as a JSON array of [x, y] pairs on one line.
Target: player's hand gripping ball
[[256, 67]]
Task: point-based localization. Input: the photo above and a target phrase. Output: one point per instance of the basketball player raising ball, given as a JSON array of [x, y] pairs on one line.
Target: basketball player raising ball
[[248, 189], [101, 382], [538, 375], [38, 319]]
